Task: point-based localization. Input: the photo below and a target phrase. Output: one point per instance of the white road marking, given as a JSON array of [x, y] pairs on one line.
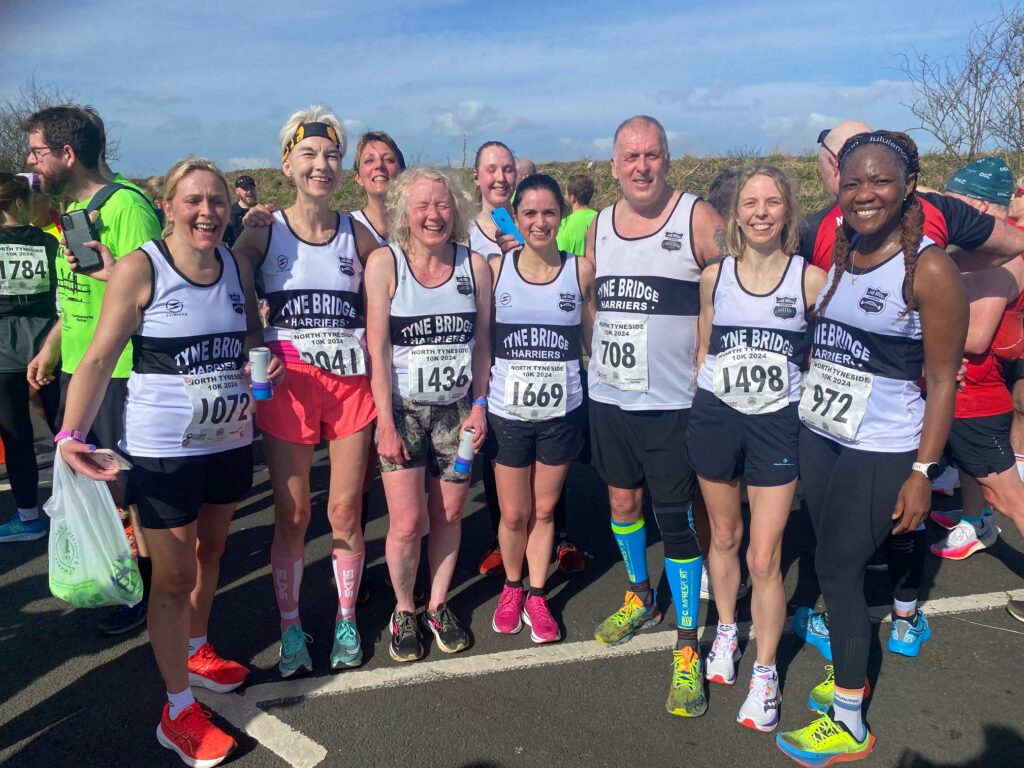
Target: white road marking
[[243, 710]]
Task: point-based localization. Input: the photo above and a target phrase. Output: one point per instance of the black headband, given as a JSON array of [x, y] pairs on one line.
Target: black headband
[[308, 130], [908, 162]]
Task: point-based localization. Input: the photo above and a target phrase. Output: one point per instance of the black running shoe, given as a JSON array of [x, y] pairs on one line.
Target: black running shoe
[[406, 644], [124, 618], [450, 636]]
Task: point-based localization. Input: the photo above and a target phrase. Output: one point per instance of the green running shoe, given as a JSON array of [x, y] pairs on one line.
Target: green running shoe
[[823, 694], [824, 742], [632, 617], [686, 693], [294, 656], [347, 650]]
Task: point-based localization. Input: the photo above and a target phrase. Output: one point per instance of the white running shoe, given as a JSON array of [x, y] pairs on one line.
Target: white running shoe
[[963, 540], [706, 591], [761, 709], [720, 666], [946, 482]]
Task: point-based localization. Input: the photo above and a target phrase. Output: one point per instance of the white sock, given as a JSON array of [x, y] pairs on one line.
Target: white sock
[[179, 702], [194, 644], [906, 609], [766, 671], [1020, 465], [727, 630], [28, 515], [847, 710]]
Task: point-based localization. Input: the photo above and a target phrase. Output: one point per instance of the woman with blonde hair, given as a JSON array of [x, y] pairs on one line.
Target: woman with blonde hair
[[188, 307], [309, 268], [744, 426], [427, 325]]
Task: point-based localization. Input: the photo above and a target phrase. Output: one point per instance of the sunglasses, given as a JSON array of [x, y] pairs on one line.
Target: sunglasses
[[821, 140]]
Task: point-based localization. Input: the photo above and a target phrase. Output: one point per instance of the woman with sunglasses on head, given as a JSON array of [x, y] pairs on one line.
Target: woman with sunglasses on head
[[893, 308], [188, 307], [309, 268], [543, 310], [378, 162], [428, 323]]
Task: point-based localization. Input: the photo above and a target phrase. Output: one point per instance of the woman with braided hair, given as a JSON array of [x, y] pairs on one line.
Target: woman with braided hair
[[893, 308]]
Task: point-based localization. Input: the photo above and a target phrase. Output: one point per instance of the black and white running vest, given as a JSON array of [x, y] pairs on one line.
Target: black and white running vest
[[757, 341], [361, 218], [644, 349], [315, 297], [432, 332], [862, 387], [536, 371], [187, 394]]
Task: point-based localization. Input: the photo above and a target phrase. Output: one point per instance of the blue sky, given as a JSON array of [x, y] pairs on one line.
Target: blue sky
[[550, 79]]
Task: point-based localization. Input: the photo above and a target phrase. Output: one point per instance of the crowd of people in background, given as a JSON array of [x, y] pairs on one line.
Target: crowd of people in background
[[701, 349]]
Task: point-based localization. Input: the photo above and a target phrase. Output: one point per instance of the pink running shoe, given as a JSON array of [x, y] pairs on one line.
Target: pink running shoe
[[506, 619], [964, 540], [543, 627]]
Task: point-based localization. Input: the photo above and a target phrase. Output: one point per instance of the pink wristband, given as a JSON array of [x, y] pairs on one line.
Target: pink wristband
[[74, 434]]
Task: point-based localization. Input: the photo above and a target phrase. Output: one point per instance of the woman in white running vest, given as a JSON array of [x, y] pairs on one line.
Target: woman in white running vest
[[428, 323], [494, 173], [543, 312], [309, 267], [188, 307], [744, 424], [893, 309], [378, 162]]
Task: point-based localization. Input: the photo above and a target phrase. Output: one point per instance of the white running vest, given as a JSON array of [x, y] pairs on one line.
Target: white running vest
[[361, 218], [315, 297], [536, 371], [861, 389], [187, 395], [481, 243], [644, 349], [432, 332], [757, 341]]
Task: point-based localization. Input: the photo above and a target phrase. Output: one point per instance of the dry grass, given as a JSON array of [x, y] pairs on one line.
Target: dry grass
[[693, 174]]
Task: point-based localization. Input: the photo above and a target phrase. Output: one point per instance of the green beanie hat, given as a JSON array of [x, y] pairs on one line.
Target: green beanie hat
[[985, 179]]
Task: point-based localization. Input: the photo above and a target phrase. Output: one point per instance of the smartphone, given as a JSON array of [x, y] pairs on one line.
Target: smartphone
[[78, 230], [504, 222], [108, 458]]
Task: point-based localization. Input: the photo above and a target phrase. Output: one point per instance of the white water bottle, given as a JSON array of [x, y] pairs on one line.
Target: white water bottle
[[464, 456]]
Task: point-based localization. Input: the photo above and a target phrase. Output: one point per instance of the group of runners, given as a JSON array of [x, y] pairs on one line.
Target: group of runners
[[720, 354]]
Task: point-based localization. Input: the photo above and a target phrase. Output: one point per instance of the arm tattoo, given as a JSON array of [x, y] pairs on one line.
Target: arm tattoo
[[723, 250]]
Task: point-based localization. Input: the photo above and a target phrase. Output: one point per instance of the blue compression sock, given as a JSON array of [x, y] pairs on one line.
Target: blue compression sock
[[684, 580], [632, 541]]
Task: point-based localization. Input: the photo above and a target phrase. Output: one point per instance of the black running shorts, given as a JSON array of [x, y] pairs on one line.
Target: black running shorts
[[513, 443], [981, 446], [723, 444]]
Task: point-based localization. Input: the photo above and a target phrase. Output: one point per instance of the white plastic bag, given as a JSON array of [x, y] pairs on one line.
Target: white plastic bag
[[91, 562]]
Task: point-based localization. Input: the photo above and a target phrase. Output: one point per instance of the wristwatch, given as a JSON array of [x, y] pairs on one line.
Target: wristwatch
[[930, 469]]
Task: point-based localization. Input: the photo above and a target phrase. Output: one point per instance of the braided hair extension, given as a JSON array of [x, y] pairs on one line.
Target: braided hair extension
[[911, 220]]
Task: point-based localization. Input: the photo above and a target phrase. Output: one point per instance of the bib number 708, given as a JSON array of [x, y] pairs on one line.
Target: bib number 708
[[618, 355]]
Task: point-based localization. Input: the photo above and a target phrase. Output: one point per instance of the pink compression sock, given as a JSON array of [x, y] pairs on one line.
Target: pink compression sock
[[348, 570], [287, 575]]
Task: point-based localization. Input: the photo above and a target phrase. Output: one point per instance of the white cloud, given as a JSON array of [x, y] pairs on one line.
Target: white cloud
[[603, 144], [245, 163]]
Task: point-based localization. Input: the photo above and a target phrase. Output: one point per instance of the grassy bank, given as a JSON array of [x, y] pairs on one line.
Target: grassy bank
[[693, 174]]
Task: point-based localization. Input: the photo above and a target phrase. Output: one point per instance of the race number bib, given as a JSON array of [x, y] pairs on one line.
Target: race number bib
[[221, 408], [620, 356], [24, 270], [751, 380], [439, 373], [535, 391], [334, 350], [835, 398]]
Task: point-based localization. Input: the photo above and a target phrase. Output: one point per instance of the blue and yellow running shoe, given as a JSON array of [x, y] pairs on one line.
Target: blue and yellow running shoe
[[812, 628], [907, 637], [686, 693], [632, 617], [824, 742], [823, 694]]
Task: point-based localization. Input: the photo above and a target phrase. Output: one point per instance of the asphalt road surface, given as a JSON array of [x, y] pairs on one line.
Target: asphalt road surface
[[71, 697]]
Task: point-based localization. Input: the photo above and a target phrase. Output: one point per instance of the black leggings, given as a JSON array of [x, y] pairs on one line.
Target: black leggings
[[16, 432], [850, 496]]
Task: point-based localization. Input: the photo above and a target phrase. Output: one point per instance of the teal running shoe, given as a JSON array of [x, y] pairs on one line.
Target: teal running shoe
[[18, 530], [294, 656], [907, 637], [812, 627], [347, 650]]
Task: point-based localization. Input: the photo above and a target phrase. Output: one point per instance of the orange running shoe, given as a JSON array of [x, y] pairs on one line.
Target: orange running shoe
[[209, 670], [490, 563], [198, 742], [569, 557]]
